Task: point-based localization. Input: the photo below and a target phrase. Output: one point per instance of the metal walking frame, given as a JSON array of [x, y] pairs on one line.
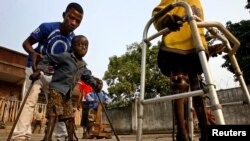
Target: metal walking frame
[[209, 89]]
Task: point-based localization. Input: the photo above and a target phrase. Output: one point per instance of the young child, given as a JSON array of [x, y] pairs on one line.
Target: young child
[[93, 100], [69, 69], [84, 89], [38, 120]]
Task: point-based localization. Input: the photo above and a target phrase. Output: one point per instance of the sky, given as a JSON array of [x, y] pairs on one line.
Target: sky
[[110, 26]]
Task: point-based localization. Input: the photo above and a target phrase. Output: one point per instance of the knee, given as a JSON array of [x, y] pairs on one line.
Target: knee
[[179, 83]]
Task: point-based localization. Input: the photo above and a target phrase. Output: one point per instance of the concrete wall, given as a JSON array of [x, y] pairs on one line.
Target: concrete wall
[[234, 114], [121, 119], [158, 116]]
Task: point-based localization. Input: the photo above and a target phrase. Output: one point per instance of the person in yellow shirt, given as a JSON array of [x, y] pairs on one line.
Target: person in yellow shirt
[[178, 59]]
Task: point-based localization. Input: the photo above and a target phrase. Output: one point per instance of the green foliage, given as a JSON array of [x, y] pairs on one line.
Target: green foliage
[[248, 4], [124, 73], [241, 31]]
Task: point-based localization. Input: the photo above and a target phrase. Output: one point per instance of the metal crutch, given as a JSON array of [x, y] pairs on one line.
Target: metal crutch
[[20, 110], [103, 107]]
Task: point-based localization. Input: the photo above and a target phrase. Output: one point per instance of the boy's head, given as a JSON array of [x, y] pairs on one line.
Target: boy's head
[[72, 18], [80, 45], [99, 83], [75, 6]]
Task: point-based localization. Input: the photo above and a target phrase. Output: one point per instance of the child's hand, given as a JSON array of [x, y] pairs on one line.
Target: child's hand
[[36, 75]]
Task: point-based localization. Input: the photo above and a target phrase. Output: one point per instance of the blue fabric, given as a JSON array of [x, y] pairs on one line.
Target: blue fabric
[[93, 99], [50, 40]]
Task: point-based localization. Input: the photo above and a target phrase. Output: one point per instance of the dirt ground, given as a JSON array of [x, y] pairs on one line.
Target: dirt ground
[[148, 137]]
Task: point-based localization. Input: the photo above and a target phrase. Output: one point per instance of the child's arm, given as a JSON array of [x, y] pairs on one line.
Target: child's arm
[[44, 65], [107, 99], [52, 60], [81, 93], [94, 82]]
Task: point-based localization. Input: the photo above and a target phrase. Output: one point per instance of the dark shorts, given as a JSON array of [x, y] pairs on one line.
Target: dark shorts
[[60, 105], [38, 122], [170, 62]]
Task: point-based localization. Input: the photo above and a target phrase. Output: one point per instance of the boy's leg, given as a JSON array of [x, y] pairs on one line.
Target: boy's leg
[[202, 117], [50, 127], [40, 127], [68, 116], [70, 125], [182, 134], [34, 128], [179, 85], [85, 121], [200, 107], [60, 128], [54, 110]]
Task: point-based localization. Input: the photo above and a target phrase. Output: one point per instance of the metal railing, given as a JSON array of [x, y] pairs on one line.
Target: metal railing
[[9, 110]]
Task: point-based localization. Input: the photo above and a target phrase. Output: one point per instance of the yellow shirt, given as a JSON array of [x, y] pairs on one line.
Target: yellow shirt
[[180, 41]]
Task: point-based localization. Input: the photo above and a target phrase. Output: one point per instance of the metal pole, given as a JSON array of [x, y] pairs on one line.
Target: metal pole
[[20, 110], [190, 118], [142, 89], [173, 97], [143, 67], [103, 107], [231, 53], [205, 67]]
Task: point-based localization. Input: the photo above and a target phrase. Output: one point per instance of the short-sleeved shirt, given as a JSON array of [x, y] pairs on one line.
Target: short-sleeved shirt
[[181, 41], [39, 116], [50, 40]]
